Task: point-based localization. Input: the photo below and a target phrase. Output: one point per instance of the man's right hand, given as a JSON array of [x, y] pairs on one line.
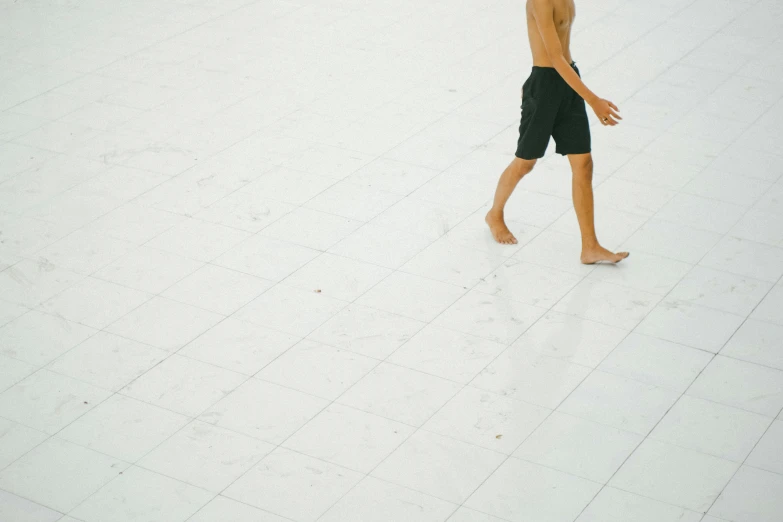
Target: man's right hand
[[606, 111]]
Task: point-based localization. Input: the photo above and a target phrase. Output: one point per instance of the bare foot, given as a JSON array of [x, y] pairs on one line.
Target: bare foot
[[599, 254], [499, 230]]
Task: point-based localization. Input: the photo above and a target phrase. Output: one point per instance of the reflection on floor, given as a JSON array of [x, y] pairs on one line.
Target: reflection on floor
[[244, 274]]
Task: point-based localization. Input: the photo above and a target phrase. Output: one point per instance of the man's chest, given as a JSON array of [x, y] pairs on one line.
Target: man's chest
[[564, 13]]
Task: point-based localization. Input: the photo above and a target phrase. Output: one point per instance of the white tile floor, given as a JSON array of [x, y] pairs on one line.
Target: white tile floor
[[244, 275]]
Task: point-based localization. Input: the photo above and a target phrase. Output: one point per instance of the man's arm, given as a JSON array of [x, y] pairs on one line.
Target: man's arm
[[544, 14]]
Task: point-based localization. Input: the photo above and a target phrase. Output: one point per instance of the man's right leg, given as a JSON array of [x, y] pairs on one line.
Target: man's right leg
[[508, 181]]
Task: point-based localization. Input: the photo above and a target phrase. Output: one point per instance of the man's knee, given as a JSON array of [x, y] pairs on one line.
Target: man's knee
[[522, 167], [582, 165]]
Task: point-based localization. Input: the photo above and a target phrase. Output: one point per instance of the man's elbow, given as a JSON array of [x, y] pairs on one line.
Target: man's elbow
[[556, 56]]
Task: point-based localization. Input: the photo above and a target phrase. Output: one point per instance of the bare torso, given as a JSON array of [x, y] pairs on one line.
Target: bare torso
[[564, 13]]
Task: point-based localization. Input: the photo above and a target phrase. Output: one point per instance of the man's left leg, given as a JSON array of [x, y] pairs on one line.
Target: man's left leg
[[582, 192]]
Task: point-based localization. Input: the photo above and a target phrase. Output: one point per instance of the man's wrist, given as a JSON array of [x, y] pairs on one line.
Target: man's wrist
[[591, 99]]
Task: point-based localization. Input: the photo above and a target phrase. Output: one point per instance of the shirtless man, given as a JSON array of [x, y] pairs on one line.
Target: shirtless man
[[553, 104]]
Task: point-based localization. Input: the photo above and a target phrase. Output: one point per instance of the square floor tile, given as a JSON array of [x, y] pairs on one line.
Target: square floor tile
[[19, 509], [520, 491], [528, 283], [619, 402], [746, 258], [310, 228], [720, 290], [608, 304], [267, 258], [246, 211], [655, 361], [579, 447], [378, 501], [16, 440], [328, 161], [37, 338], [349, 438], [290, 310], [108, 361], [157, 497], [757, 342], [95, 303], [741, 384], [759, 226], [674, 475], [293, 485], [571, 339], [447, 353], [444, 261], [367, 331], [198, 240], [628, 196], [752, 495], [184, 385], [45, 475], [13, 371], [353, 201], [554, 250], [473, 233], [291, 186], [531, 377], [487, 420], [470, 515], [421, 218], [148, 269], [124, 183], [227, 510], [165, 324], [701, 213], [318, 369], [264, 410], [647, 170], [769, 308], [85, 252], [412, 296], [338, 277], [124, 428], [239, 346], [439, 466], [382, 246], [649, 273], [711, 428], [392, 176], [768, 453], [540, 210], [692, 325], [48, 402], [614, 504], [10, 311], [400, 394], [206, 456], [614, 226], [23, 236], [217, 289], [495, 318], [134, 223], [672, 240]]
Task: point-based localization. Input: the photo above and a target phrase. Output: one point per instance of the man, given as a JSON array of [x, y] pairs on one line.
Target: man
[[553, 104]]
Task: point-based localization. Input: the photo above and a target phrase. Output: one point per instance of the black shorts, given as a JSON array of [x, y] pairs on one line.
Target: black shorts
[[550, 107]]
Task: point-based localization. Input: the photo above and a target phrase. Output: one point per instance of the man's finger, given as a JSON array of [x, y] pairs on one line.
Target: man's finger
[[613, 106], [615, 115]]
